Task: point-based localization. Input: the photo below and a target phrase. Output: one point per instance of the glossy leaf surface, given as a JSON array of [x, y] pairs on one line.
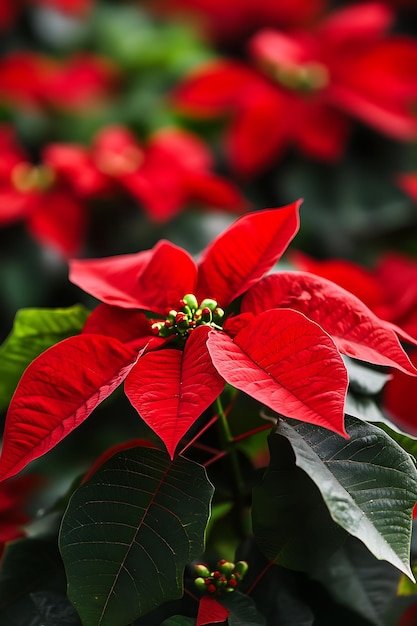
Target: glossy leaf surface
[[129, 532], [368, 484]]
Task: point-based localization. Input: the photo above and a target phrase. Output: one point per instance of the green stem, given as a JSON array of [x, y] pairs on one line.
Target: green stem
[[228, 445]]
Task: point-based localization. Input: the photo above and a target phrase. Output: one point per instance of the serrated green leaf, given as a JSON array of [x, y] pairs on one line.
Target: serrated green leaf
[[129, 532], [359, 581], [369, 483], [34, 330]]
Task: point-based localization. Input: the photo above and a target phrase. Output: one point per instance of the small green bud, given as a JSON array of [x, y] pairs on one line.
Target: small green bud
[[202, 570], [190, 300], [200, 584], [241, 568], [226, 567], [209, 303]]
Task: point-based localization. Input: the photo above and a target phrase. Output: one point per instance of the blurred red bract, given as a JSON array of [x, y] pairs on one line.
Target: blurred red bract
[[14, 494], [303, 88]]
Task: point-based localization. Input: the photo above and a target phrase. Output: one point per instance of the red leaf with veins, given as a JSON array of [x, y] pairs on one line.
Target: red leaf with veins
[[357, 331], [154, 279], [171, 388], [127, 325], [57, 392], [246, 251], [211, 612], [289, 364]]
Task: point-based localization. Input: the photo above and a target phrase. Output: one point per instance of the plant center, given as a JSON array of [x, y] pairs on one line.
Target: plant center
[[27, 177], [310, 76], [189, 316]]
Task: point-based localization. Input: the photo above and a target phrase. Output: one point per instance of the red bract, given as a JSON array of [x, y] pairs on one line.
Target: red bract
[[167, 173], [34, 194], [304, 87], [33, 80], [176, 359], [234, 20], [390, 290]]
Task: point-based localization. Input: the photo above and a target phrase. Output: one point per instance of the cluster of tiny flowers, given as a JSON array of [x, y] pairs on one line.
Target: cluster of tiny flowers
[[190, 315], [223, 579]]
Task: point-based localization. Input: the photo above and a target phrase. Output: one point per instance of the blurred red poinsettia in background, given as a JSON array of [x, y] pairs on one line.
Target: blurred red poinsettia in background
[[169, 173], [230, 22], [304, 87], [37, 81]]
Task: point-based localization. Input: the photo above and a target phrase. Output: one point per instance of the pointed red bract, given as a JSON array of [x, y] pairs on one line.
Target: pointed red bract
[[171, 388], [57, 392], [211, 612], [129, 326], [151, 280], [289, 364], [357, 331], [247, 250]]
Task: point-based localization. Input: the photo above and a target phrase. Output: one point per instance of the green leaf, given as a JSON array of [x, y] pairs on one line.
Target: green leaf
[[291, 522], [34, 330], [367, 482], [52, 609], [243, 611], [29, 565], [359, 581], [128, 533], [178, 620]]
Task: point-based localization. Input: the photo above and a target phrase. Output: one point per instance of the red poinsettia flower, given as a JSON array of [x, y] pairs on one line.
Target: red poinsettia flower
[[52, 213], [167, 173], [233, 21], [304, 87], [390, 290], [13, 498], [33, 80], [175, 360]]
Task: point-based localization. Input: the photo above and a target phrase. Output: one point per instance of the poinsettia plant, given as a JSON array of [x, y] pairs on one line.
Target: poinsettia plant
[[232, 342]]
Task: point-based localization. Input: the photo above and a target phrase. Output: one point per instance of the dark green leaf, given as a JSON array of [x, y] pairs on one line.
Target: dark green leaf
[[34, 331], [368, 483], [29, 565], [356, 579], [129, 532], [178, 620], [243, 611], [291, 522], [53, 609]]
